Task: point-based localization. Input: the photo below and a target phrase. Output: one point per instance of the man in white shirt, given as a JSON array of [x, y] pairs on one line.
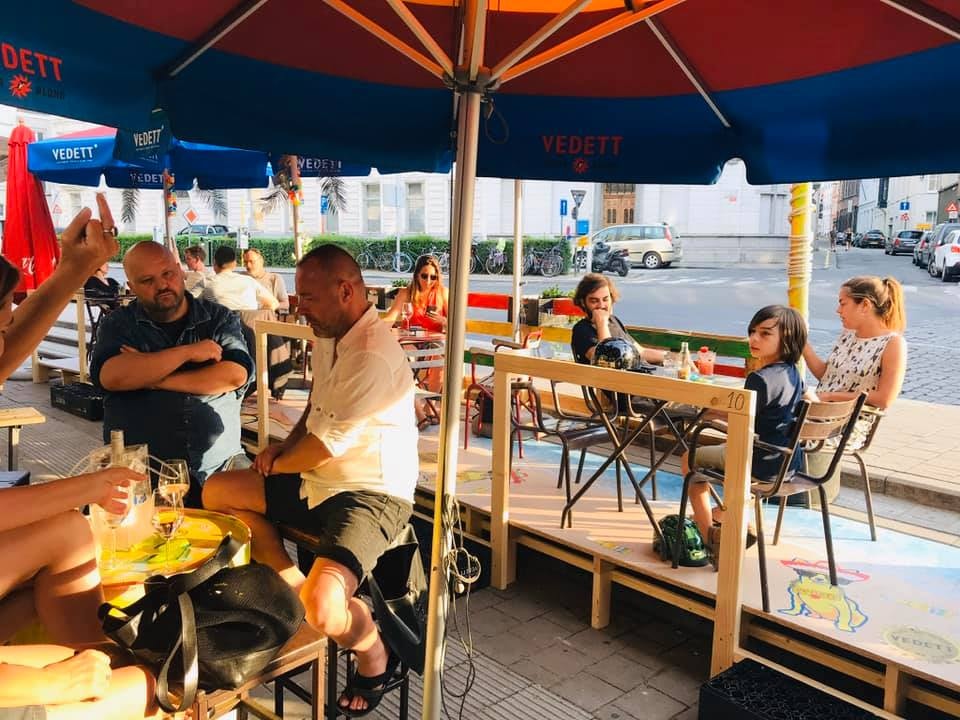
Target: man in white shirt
[[197, 272], [233, 290], [347, 471], [253, 262]]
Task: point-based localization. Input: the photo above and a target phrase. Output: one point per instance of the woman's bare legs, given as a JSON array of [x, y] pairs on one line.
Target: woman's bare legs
[[57, 556]]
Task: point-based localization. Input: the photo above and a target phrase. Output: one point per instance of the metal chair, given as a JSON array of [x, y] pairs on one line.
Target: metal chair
[[873, 416], [815, 424], [480, 390]]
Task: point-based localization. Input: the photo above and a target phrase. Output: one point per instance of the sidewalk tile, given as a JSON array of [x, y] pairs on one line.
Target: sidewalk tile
[[615, 712], [566, 619], [650, 704], [594, 643], [533, 701], [492, 621], [622, 672], [562, 659], [586, 691], [523, 607], [679, 684], [505, 648], [540, 633]]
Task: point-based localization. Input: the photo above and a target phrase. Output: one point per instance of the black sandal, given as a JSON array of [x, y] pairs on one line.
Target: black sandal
[[423, 424], [370, 689]]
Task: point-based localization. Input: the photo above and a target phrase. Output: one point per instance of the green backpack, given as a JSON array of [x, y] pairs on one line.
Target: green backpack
[[693, 552]]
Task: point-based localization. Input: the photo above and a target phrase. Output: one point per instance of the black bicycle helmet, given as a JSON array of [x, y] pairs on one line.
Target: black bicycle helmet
[[616, 353]]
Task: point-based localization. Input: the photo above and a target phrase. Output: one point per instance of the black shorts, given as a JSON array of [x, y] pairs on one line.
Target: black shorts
[[31, 712], [354, 527]]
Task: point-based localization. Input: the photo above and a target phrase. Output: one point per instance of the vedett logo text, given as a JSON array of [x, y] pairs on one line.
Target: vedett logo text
[[68, 154]]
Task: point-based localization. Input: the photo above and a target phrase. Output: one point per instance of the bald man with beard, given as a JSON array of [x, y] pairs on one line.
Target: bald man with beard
[[347, 471], [173, 368]]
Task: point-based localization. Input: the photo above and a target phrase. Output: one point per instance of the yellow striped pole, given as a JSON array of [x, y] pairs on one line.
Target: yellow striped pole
[[800, 258]]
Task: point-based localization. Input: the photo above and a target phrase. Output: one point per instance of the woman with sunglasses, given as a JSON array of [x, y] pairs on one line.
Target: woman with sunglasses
[[426, 294], [428, 298]]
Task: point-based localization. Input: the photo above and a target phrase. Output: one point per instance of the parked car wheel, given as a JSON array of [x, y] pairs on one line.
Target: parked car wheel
[[944, 273], [652, 261], [932, 268]]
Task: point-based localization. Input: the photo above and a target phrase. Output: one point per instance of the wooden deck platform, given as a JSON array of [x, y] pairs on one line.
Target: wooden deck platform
[[891, 625]]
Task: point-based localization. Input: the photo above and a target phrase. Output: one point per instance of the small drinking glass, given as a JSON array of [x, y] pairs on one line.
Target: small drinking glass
[[406, 312], [174, 479], [670, 361], [167, 519]]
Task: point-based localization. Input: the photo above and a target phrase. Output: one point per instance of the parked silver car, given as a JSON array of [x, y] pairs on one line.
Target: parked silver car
[[903, 242], [649, 246]]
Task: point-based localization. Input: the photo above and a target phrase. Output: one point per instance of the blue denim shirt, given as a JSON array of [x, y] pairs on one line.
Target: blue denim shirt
[[204, 429]]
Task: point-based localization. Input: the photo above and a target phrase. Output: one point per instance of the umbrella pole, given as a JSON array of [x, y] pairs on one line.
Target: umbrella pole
[[468, 122], [800, 257], [169, 209], [517, 255]]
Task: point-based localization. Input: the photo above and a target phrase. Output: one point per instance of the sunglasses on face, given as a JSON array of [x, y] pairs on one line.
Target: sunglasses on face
[[425, 276]]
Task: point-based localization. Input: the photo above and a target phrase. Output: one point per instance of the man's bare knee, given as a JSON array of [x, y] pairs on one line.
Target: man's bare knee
[[234, 490]]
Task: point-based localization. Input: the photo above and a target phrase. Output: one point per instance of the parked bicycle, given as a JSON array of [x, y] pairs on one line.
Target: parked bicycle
[[496, 262], [548, 263], [400, 262], [366, 259]]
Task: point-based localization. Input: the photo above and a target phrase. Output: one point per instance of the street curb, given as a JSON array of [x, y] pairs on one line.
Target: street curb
[[901, 486]]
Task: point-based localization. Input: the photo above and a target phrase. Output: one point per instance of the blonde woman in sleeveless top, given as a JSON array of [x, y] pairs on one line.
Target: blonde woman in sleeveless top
[[871, 354]]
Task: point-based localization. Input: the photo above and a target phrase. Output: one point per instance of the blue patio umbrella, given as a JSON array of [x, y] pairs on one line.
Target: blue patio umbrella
[[83, 158]]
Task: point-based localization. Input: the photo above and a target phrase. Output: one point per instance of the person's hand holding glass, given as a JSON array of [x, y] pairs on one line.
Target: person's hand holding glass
[[167, 519], [115, 512]]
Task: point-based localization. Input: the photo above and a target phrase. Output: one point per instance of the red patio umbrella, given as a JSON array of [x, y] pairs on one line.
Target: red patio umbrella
[[29, 240]]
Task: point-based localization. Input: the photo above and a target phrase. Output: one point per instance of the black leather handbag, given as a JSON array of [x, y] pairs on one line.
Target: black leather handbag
[[213, 628], [397, 587]]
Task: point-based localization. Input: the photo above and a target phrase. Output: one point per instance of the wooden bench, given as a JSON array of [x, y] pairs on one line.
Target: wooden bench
[[68, 368], [13, 419]]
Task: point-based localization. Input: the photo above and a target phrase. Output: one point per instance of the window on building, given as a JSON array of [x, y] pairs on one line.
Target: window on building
[[416, 216], [611, 216], [628, 215], [371, 208], [933, 183], [931, 218], [618, 188]]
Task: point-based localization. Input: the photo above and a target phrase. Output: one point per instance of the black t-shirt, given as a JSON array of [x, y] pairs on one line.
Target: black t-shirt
[[584, 336], [94, 288], [779, 389], [173, 330]]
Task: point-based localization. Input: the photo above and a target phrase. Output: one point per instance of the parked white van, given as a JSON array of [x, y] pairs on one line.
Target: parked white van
[[650, 246]]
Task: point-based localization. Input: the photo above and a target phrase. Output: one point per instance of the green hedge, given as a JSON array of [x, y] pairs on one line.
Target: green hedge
[[279, 251]]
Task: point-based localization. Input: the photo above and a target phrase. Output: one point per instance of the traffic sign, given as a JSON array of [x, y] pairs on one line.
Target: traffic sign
[[952, 211], [904, 216], [563, 208], [191, 216], [904, 205], [57, 210], [324, 204]]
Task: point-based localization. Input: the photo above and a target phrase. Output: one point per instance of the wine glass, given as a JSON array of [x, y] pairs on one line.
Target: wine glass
[[167, 518], [174, 479], [113, 521], [406, 312]]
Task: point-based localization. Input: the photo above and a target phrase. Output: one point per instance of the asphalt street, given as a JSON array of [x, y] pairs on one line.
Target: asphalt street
[[722, 300]]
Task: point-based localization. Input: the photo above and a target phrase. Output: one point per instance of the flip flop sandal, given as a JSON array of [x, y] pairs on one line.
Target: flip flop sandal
[[423, 424], [370, 689]]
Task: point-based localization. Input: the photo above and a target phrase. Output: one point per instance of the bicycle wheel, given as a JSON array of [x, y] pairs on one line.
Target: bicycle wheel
[[365, 261], [402, 262], [473, 264], [552, 265], [529, 263], [443, 259], [494, 264]]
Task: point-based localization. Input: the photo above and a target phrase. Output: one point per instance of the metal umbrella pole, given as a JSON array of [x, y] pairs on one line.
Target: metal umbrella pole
[[468, 122], [517, 256]]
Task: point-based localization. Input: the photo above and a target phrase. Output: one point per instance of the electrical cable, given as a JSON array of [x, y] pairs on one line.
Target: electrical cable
[[465, 568]]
